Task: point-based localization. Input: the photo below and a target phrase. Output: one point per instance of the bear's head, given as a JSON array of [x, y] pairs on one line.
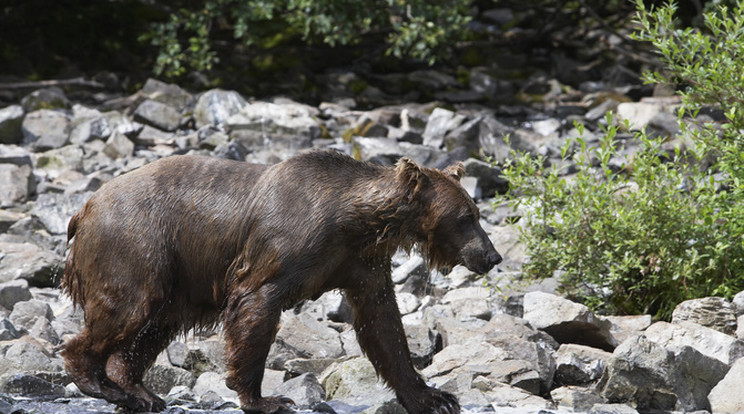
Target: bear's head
[[448, 231]]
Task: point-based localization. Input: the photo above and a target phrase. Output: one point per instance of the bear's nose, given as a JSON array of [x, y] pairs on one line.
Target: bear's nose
[[494, 258]]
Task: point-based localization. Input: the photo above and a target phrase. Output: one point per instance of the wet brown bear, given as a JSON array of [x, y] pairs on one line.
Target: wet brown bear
[[189, 240]]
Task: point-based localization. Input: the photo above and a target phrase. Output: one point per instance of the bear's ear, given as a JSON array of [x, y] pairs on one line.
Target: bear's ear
[[409, 173], [456, 171]]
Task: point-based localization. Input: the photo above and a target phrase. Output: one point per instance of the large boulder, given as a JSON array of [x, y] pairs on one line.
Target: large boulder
[[726, 396], [707, 341], [566, 321], [649, 376], [17, 184], [712, 312]]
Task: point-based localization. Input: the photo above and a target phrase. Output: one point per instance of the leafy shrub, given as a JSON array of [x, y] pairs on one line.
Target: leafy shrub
[[641, 236], [420, 29]]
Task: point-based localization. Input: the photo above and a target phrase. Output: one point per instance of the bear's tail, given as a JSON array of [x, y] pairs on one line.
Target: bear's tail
[[71, 282]]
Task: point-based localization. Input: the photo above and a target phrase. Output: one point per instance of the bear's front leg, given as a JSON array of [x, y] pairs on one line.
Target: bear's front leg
[[251, 321], [380, 333]]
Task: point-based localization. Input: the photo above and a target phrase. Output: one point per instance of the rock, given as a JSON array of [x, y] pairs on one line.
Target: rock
[[712, 312], [577, 399], [215, 106], [302, 336], [272, 119], [11, 118], [387, 151], [7, 330], [162, 378], [639, 373], [566, 321], [624, 327], [305, 390], [54, 210], [407, 302], [470, 302], [15, 155], [612, 409], [464, 136], [158, 115], [30, 386], [508, 396], [26, 355], [579, 364], [17, 184], [300, 366], [490, 180], [637, 114], [412, 266], [45, 129], [27, 261], [42, 328], [24, 314], [738, 303], [214, 383], [645, 374], [726, 396], [355, 382], [167, 93], [491, 138], [48, 98], [53, 163], [90, 129], [177, 353], [441, 121], [707, 341]]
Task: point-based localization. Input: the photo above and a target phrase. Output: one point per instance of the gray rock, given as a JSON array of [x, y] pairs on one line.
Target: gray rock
[[162, 378], [7, 330], [167, 93], [624, 327], [637, 114], [11, 118], [566, 321], [25, 313], [490, 179], [90, 129], [30, 386], [639, 373], [29, 355], [407, 302], [355, 382], [55, 162], [464, 136], [302, 336], [441, 121], [726, 396], [48, 98], [214, 383], [157, 114], [8, 219], [177, 353], [738, 303], [612, 409], [13, 154], [490, 87], [27, 261], [118, 146], [491, 138], [42, 328], [707, 341], [469, 302], [300, 366], [287, 118], [645, 374], [54, 210], [577, 399], [17, 184], [305, 390], [45, 129], [215, 106], [712, 312], [579, 364]]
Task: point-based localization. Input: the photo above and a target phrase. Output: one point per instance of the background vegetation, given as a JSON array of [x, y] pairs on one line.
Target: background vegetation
[[643, 235]]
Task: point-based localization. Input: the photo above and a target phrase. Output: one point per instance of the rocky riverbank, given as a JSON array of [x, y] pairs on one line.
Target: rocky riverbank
[[504, 346]]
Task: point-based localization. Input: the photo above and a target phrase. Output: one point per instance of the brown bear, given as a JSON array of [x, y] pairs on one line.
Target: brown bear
[[189, 241]]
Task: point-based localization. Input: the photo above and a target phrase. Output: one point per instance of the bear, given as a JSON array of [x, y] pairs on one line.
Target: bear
[[192, 241]]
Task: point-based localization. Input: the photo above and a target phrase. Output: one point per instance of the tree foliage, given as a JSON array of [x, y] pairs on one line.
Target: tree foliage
[[419, 29]]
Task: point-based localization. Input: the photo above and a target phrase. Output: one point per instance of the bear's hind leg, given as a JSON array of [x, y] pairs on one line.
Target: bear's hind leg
[[127, 366], [251, 321], [86, 364]]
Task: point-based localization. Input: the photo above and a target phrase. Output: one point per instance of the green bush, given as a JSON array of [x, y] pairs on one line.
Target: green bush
[[419, 29], [641, 236]]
